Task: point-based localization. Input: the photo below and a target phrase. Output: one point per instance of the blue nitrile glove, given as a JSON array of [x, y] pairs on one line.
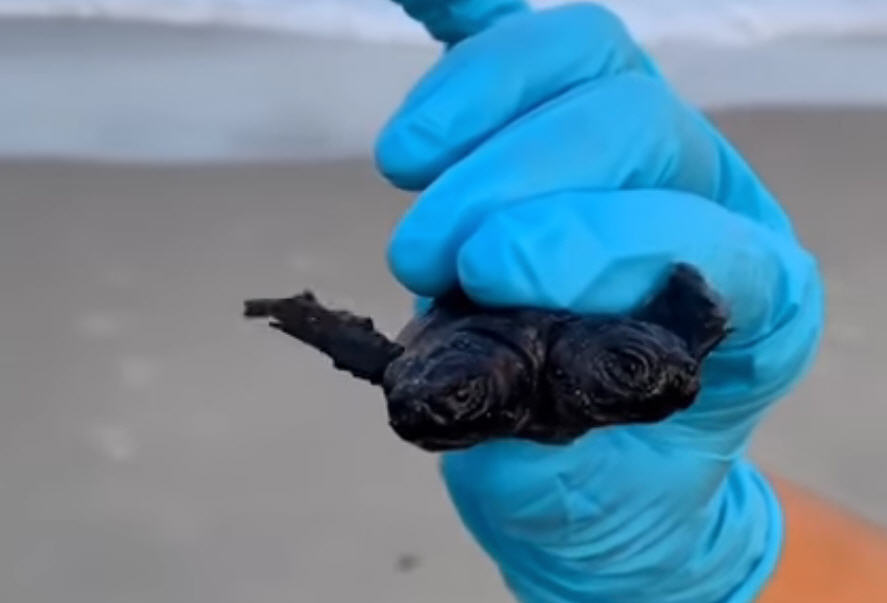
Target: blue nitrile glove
[[559, 170]]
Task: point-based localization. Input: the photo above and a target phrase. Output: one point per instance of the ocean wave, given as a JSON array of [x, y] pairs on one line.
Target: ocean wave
[[734, 22]]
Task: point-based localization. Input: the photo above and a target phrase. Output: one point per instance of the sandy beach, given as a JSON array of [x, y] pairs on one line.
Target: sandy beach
[[157, 448]]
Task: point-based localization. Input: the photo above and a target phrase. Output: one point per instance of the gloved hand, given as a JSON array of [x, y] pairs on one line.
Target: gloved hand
[[559, 170]]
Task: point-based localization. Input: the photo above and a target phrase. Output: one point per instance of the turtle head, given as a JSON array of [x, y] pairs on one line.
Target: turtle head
[[612, 371], [456, 391]]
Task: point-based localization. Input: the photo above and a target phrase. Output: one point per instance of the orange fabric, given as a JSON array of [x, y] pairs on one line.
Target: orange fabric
[[829, 555]]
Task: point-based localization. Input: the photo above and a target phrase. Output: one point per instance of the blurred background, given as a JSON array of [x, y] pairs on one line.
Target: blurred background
[[160, 160]]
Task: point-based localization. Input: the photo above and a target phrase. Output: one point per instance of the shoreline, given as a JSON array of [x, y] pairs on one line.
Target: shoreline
[[137, 92], [689, 23]]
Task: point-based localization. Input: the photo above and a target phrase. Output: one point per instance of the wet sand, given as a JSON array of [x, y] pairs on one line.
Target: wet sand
[[154, 447]]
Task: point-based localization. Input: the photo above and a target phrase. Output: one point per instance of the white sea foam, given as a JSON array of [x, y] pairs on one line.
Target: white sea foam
[[248, 95], [725, 22]]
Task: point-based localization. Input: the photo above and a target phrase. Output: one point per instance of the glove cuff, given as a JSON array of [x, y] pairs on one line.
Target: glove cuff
[[765, 567]]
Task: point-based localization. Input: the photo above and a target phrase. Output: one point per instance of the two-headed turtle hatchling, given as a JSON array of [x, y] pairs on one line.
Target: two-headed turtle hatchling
[[461, 373]]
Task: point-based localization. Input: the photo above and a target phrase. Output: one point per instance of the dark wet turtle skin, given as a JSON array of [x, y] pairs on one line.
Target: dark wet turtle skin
[[462, 374]]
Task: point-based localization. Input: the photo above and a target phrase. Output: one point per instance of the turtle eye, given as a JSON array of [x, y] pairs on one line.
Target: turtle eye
[[463, 394], [461, 344]]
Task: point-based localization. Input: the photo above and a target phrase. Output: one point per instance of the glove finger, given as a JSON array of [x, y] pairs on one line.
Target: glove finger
[[450, 21], [493, 78], [602, 251], [628, 131], [605, 251]]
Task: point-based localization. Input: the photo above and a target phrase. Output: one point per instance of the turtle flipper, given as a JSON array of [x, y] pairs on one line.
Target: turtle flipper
[[690, 309], [351, 341]]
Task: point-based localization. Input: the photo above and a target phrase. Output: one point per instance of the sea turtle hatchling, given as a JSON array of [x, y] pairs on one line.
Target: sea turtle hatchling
[[461, 373]]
